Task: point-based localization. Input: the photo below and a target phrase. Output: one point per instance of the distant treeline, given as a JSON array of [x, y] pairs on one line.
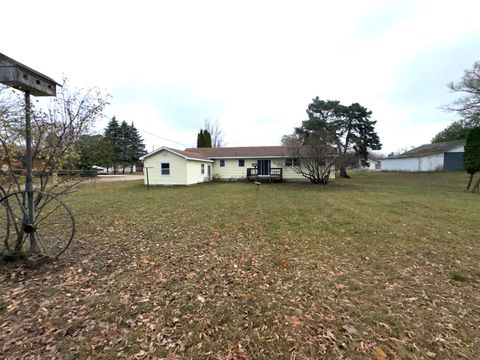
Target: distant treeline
[[120, 146]]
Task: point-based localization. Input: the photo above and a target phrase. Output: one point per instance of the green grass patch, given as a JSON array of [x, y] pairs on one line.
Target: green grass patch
[[456, 276]]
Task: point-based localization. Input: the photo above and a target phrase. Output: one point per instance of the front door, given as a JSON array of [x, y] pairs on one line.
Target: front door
[[264, 167], [209, 172]]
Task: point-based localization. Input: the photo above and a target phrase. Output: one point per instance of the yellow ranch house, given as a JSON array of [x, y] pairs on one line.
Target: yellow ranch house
[[168, 166]]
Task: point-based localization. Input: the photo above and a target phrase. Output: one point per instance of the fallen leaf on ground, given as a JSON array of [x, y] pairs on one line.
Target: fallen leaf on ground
[[379, 353]]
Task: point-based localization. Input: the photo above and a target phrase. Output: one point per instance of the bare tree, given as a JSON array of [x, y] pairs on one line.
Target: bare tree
[[215, 132], [314, 159], [468, 105], [10, 106], [55, 132]]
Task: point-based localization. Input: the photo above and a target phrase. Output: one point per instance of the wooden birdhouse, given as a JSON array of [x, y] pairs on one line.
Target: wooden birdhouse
[[21, 77]]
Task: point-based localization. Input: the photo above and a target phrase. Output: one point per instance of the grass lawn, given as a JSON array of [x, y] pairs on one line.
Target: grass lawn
[[380, 266]]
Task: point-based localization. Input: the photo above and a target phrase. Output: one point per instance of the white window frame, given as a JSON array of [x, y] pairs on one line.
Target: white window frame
[[202, 169]]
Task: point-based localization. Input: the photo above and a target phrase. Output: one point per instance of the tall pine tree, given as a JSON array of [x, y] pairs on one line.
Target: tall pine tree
[[200, 139], [351, 127], [137, 147], [208, 138], [113, 136], [204, 139], [124, 145]]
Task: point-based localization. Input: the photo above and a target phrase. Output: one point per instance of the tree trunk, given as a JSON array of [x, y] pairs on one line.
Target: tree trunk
[[343, 173], [131, 169], [470, 182], [476, 188], [123, 169]]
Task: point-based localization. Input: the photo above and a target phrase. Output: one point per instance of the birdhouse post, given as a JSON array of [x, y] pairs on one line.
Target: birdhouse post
[[23, 78]]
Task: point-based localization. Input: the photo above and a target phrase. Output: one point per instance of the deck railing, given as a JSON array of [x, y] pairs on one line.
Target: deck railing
[[276, 174]]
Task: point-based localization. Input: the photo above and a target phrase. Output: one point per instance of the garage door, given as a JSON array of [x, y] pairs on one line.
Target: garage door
[[453, 161]]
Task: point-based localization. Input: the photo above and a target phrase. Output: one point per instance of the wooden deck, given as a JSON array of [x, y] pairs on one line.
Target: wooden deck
[[276, 174]]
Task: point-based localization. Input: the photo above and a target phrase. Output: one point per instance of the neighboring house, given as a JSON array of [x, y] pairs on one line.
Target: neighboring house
[[445, 156], [167, 166], [18, 163], [372, 164]]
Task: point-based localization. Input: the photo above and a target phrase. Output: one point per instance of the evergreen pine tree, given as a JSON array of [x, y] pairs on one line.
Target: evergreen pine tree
[[471, 157], [200, 139], [137, 147], [125, 143], [204, 139], [351, 126], [113, 137], [207, 139]]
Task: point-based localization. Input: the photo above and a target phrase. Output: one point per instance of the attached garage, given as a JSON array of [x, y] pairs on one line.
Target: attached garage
[[445, 156]]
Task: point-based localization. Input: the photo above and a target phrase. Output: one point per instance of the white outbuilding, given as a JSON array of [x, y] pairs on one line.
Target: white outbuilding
[[444, 156], [371, 164]]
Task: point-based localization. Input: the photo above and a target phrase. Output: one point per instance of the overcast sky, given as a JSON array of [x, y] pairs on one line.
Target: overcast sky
[[252, 65]]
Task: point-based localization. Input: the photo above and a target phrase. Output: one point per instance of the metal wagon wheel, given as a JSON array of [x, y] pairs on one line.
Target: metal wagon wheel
[[52, 230]]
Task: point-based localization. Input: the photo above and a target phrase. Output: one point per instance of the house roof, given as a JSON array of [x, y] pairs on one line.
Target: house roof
[[189, 155], [241, 152], [430, 149], [17, 63]]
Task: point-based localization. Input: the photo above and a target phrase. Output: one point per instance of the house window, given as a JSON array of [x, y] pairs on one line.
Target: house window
[[292, 162], [222, 163], [241, 163], [165, 169], [202, 169]]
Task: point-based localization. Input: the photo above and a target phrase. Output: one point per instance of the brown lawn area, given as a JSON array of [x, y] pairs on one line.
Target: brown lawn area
[[380, 266]]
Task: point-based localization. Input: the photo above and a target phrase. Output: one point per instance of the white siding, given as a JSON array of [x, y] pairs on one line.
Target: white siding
[[422, 163], [188, 172], [431, 163], [231, 170], [178, 169], [460, 148], [194, 171], [288, 172]]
